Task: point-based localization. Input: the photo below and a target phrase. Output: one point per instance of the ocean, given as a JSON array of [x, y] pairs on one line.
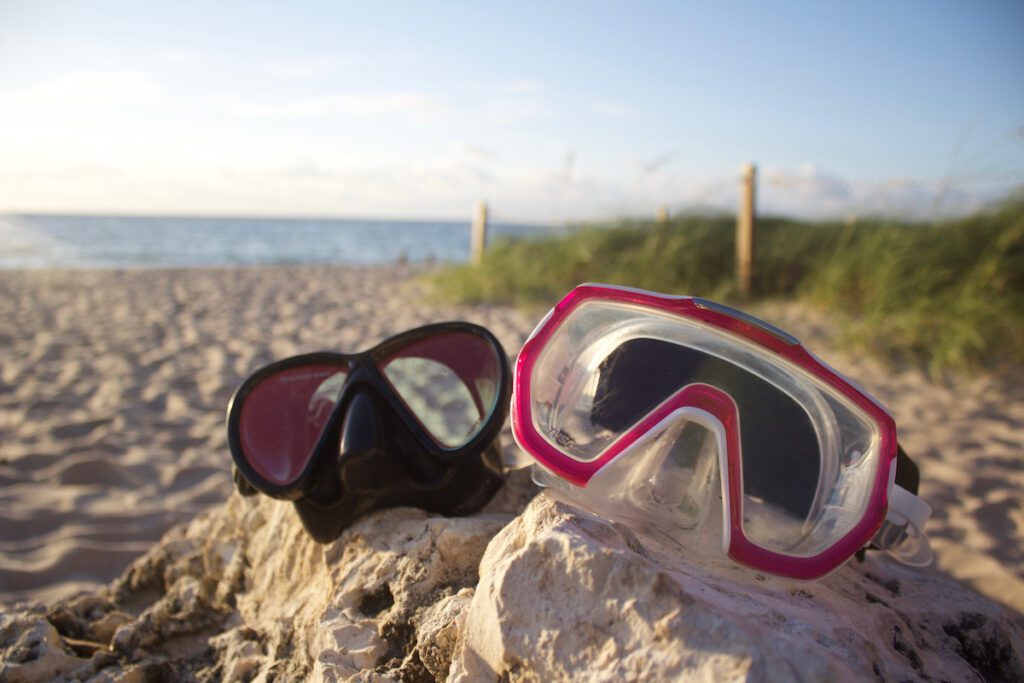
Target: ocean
[[45, 241]]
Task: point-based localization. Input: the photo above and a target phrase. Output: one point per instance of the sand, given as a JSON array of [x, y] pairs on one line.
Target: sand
[[113, 386]]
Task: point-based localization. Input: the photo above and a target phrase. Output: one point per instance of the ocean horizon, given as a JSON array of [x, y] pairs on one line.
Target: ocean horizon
[[38, 241]]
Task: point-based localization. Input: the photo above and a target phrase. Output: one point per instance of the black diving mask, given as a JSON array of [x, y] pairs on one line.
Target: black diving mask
[[413, 421]]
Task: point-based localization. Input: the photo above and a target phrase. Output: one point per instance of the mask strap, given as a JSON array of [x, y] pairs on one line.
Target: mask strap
[[908, 476], [242, 484]]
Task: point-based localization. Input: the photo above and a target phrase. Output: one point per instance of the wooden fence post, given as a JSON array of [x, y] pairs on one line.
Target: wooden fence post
[[478, 234], [745, 223]]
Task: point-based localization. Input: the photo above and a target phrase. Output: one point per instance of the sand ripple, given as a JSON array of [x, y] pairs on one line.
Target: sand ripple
[[113, 387]]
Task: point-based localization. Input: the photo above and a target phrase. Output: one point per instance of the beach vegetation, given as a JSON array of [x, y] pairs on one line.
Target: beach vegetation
[[947, 296]]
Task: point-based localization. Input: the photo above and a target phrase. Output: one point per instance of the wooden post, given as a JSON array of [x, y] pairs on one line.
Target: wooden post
[[662, 215], [745, 222], [478, 234]]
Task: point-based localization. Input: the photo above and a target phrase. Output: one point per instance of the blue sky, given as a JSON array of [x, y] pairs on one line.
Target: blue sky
[[549, 111]]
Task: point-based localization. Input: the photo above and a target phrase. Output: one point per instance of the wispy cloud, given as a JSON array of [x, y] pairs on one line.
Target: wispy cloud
[[446, 185], [307, 170], [180, 55], [86, 90], [413, 105], [523, 86], [307, 68], [514, 110], [474, 151], [612, 108]]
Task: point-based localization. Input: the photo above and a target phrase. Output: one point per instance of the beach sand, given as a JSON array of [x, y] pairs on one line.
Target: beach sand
[[113, 387]]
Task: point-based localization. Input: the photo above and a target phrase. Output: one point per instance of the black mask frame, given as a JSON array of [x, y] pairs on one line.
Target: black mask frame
[[373, 452]]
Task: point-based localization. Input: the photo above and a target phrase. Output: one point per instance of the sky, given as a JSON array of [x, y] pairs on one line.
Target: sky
[[548, 111]]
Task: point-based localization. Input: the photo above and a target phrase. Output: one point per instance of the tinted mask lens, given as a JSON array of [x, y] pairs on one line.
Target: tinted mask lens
[[449, 382], [283, 417]]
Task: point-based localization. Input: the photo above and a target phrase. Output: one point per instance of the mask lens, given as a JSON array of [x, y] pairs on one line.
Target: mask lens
[[449, 381], [283, 416], [779, 446]]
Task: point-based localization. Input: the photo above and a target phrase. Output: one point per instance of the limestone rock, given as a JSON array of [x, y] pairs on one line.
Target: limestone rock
[[241, 593], [564, 595], [33, 651]]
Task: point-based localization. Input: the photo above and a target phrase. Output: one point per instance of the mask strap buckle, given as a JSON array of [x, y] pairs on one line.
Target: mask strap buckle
[[902, 533]]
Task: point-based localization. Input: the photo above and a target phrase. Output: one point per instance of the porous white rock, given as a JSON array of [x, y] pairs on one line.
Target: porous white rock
[[531, 591], [33, 650], [242, 593], [564, 595]]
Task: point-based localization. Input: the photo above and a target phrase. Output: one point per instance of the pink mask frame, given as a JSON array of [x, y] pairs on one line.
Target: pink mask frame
[[720, 406]]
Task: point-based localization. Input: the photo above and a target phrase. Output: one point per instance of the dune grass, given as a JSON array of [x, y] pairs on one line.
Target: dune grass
[[946, 296]]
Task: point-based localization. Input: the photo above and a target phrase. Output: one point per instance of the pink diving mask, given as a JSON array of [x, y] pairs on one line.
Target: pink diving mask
[[650, 408]]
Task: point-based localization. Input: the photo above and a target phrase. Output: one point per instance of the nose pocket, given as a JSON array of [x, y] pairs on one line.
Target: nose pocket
[[365, 462], [677, 481], [360, 430], [667, 482]]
